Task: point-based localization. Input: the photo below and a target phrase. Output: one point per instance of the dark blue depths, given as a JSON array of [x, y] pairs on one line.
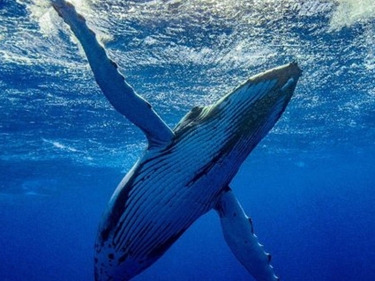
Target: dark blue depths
[[315, 217]]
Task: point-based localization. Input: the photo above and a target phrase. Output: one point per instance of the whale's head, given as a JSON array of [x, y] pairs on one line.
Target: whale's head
[[240, 119]]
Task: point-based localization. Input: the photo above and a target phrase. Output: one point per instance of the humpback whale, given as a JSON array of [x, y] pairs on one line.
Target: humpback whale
[[185, 171]]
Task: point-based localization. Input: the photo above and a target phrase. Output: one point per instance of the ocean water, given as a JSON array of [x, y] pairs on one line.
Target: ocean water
[[308, 186]]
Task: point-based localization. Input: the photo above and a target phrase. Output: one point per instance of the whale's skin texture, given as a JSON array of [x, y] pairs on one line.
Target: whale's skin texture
[[184, 172]]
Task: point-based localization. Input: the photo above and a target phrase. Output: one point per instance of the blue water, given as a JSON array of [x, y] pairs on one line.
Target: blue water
[[308, 186]]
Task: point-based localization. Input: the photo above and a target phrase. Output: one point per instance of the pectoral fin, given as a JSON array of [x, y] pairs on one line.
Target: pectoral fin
[[239, 235], [111, 82]]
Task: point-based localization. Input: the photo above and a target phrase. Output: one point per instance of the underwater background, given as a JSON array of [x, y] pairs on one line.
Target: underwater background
[[308, 186]]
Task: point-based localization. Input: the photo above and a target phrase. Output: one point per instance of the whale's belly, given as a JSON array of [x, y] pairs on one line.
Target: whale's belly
[[148, 213]]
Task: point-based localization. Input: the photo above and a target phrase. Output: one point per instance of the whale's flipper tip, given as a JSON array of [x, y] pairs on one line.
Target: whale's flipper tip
[[239, 235], [112, 83]]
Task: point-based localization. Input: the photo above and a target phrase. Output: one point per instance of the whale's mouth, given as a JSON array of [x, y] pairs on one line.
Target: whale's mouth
[[278, 82]]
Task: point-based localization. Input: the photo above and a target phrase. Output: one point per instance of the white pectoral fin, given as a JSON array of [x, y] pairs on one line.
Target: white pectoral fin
[[112, 83], [239, 235]]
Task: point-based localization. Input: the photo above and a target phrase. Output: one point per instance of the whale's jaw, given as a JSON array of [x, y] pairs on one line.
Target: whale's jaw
[[231, 128]]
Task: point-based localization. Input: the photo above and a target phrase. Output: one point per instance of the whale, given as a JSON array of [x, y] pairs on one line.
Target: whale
[[185, 171]]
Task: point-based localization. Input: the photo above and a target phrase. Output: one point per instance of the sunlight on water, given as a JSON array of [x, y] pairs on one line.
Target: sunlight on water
[[349, 12], [47, 19], [370, 43], [178, 54], [40, 12], [61, 146]]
